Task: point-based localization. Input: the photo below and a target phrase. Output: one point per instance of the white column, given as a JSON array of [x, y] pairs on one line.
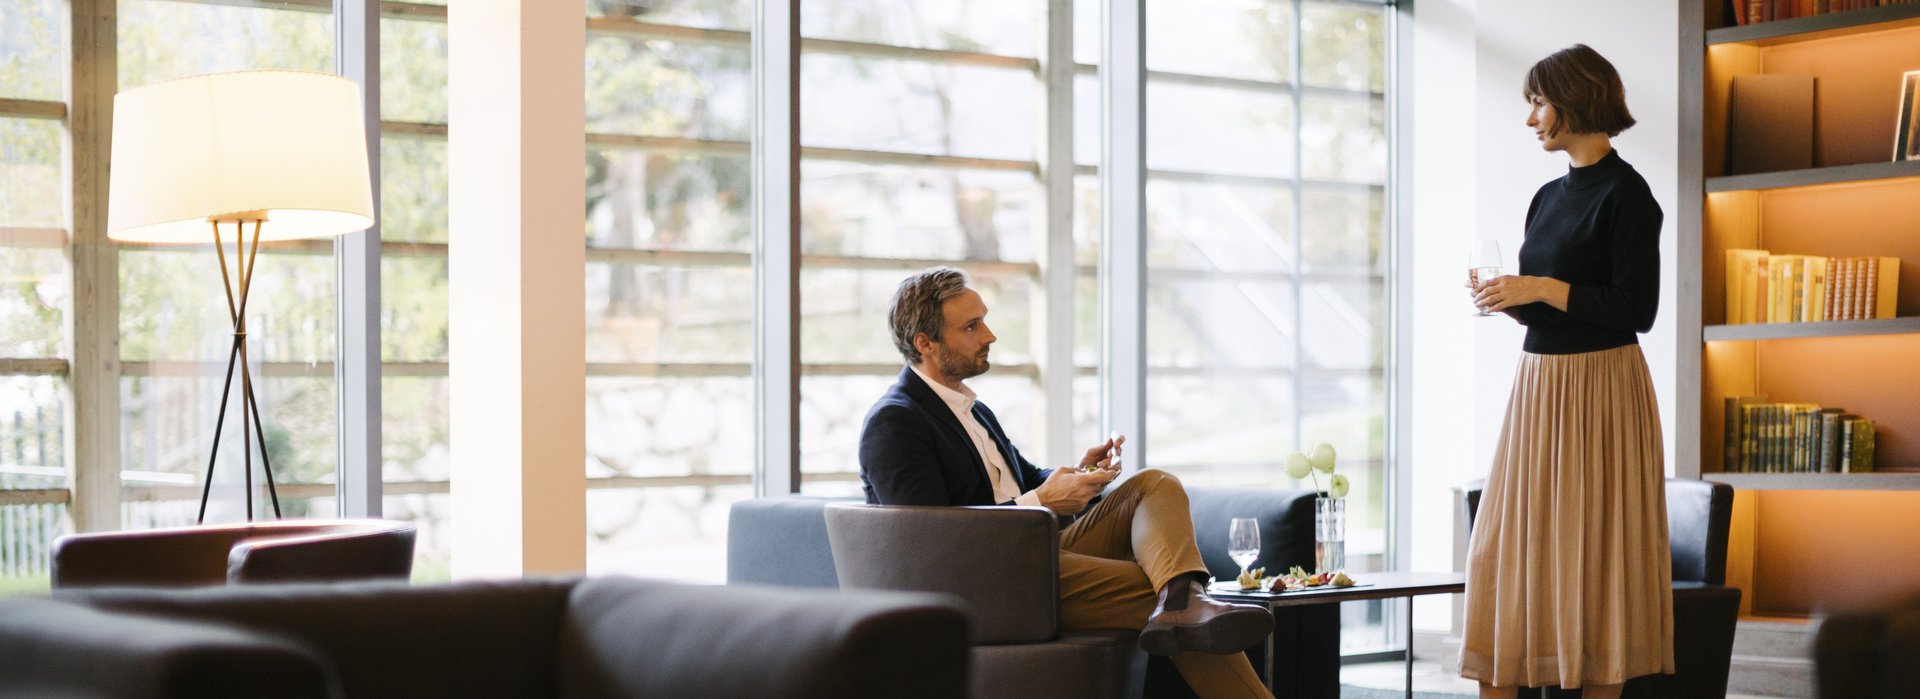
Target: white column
[[1123, 216], [356, 366], [93, 444], [776, 238], [517, 316]]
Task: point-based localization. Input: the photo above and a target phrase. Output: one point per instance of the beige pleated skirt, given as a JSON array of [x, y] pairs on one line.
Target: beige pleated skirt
[[1569, 580]]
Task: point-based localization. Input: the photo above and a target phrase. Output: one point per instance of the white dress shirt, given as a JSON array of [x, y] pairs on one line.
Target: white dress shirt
[[1005, 485]]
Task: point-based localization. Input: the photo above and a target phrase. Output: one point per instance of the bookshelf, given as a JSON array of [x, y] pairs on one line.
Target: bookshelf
[[1855, 201]]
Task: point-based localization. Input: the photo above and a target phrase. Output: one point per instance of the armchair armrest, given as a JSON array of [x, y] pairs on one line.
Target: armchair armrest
[[52, 648], [1002, 562], [624, 637]]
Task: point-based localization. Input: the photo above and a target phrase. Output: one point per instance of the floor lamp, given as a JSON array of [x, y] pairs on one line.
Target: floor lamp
[[280, 154]]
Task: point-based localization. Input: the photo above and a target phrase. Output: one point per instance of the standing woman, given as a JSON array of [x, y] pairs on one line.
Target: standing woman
[[1569, 580]]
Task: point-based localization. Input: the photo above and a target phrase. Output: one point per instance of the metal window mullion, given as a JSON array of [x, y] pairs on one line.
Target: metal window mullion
[[1058, 276], [92, 440], [1123, 211], [1299, 219], [776, 234], [356, 373]]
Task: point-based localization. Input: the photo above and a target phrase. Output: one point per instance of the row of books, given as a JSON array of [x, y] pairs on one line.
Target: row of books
[[1766, 288], [1755, 11], [1795, 438]]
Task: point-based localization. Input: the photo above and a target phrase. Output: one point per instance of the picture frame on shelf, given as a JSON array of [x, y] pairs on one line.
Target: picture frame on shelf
[[1906, 143]]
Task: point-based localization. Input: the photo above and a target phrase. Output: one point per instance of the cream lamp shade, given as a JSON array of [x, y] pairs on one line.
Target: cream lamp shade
[[287, 147]]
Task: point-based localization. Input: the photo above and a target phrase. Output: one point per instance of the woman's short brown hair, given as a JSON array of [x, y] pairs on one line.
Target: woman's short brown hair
[[1583, 88]]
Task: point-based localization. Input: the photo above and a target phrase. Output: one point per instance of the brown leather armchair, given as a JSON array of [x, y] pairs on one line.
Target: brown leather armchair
[[284, 551], [1008, 590]]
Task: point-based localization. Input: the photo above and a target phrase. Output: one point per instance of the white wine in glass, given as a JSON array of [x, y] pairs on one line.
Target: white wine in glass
[[1483, 264], [1243, 541]]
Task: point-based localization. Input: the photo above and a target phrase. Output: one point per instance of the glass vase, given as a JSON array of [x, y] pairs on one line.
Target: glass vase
[[1329, 534]]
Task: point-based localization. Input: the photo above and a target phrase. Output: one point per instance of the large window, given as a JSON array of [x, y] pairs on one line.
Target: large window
[[670, 423], [34, 289], [924, 137], [1266, 236]]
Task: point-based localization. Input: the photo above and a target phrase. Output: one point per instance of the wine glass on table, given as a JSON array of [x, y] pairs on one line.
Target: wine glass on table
[[1243, 541], [1483, 264]]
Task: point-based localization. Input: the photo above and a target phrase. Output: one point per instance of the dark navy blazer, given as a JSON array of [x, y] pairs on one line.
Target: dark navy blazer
[[913, 451]]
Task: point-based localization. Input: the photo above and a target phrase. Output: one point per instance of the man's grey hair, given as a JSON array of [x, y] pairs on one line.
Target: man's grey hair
[[916, 307]]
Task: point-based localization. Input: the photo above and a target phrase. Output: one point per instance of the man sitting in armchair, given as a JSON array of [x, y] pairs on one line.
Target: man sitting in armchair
[[1128, 561]]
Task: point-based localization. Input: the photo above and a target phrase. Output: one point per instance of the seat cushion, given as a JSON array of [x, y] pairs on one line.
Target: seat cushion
[[1093, 664]]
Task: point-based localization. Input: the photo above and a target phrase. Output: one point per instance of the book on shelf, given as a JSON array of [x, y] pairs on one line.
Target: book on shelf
[[1762, 287], [1770, 123], [1746, 12], [1763, 437]]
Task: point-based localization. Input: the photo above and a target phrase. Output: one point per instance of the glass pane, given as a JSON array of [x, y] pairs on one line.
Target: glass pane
[[1086, 32], [646, 313], [1344, 45], [413, 189], [709, 14], [413, 429], [1220, 427], [667, 201], [1215, 226], [1345, 230], [917, 107], [33, 302], [1344, 140], [859, 210], [413, 300], [27, 532], [1221, 131], [431, 515], [1347, 322], [1207, 322], [1086, 120], [413, 71], [675, 533], [1005, 27], [30, 166], [650, 87], [33, 432], [167, 426], [226, 38], [669, 426], [173, 307], [34, 36], [843, 315], [1249, 39]]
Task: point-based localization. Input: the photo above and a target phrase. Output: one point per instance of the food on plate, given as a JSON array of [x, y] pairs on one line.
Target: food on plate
[[1250, 580]]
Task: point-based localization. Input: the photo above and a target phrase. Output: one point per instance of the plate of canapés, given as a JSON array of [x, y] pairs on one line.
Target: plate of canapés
[[1294, 580]]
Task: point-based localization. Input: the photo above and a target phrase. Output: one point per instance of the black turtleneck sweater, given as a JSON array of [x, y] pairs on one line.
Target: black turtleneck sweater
[[1598, 230]]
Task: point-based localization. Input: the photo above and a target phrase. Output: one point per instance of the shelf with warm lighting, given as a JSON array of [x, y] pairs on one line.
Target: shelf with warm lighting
[[1862, 173], [1794, 331], [1825, 26], [1896, 480]]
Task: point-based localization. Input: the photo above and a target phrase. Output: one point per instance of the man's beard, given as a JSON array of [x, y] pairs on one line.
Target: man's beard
[[960, 367]]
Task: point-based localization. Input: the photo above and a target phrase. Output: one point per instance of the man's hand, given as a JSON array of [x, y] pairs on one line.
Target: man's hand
[[1104, 456], [1068, 491]]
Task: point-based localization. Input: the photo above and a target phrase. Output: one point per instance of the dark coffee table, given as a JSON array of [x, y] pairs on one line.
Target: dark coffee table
[[1372, 586]]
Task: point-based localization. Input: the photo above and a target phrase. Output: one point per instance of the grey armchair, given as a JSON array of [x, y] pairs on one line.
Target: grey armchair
[[1009, 590], [283, 551]]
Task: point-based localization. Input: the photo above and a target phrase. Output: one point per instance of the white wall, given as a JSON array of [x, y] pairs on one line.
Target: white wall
[[1476, 166]]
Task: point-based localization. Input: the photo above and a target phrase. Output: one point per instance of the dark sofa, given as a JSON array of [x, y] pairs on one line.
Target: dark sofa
[[597, 637], [1869, 653]]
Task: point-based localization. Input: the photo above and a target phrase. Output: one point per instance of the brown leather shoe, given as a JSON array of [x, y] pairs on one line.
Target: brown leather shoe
[[1187, 620]]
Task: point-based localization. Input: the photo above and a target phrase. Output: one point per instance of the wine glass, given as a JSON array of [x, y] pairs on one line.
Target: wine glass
[[1243, 541], [1483, 264]]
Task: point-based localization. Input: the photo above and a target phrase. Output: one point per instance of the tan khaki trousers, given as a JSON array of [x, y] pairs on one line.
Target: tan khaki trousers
[[1115, 558]]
